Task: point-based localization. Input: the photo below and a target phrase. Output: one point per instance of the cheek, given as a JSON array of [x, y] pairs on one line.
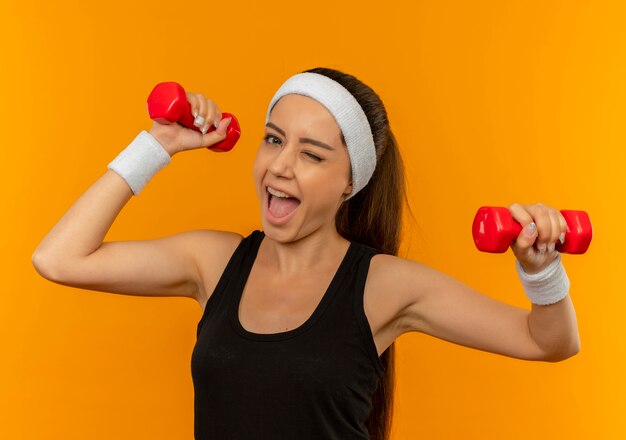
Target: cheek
[[261, 158], [259, 170], [259, 163], [326, 192], [257, 174]]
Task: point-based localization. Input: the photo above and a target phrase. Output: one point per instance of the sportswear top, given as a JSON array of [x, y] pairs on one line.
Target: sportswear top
[[312, 382]]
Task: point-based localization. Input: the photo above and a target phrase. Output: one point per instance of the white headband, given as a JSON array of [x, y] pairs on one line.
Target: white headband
[[348, 114]]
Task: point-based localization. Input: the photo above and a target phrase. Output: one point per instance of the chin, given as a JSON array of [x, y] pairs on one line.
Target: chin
[[279, 236]]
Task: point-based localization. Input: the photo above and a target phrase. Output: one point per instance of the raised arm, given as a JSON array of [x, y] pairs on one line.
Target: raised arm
[[73, 252]]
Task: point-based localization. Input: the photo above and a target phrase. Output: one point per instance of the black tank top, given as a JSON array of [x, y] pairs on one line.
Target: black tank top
[[313, 382]]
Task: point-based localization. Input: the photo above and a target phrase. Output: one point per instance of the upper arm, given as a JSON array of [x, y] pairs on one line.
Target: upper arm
[[167, 266], [439, 305]]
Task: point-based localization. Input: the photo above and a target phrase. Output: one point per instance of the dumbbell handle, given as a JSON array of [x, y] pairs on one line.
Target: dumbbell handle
[[167, 104], [494, 229]]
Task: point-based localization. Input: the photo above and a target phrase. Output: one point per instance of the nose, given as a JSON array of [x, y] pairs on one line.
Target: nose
[[282, 163]]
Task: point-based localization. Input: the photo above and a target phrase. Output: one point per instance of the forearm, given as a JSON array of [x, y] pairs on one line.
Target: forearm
[[83, 227], [555, 329]]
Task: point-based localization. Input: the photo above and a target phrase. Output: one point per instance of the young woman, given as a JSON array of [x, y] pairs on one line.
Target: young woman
[[299, 319]]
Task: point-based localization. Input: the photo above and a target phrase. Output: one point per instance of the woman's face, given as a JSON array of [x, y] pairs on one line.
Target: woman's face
[[290, 159]]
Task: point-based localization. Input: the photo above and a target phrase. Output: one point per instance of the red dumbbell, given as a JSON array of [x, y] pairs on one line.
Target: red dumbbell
[[494, 229], [167, 104]]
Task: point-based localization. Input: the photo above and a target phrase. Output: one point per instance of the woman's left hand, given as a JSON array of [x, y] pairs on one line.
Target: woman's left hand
[[536, 251]]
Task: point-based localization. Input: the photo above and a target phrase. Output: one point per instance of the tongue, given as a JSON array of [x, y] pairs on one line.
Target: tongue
[[280, 207]]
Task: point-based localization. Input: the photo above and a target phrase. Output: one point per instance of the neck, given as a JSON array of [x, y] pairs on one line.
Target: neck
[[289, 259]]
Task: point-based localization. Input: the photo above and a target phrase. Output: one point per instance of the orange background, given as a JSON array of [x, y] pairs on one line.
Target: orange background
[[492, 102]]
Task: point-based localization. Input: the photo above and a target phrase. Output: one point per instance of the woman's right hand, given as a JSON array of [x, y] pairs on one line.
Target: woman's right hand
[[176, 138]]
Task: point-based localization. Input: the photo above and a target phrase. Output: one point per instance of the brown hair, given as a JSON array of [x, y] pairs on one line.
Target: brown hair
[[373, 217]]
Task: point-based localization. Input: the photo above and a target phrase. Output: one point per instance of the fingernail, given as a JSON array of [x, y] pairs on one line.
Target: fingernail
[[228, 121], [195, 113], [551, 247], [216, 123], [562, 237], [530, 228], [199, 121], [204, 129], [542, 248]]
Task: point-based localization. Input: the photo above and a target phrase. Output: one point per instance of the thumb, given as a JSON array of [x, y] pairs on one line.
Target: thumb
[[527, 236], [216, 135]]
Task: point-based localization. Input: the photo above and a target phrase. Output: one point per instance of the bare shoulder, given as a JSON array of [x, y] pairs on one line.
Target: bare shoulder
[[393, 286], [390, 273], [212, 249]]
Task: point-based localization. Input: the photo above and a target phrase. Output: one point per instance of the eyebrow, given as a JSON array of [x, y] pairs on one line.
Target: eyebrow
[[302, 139]]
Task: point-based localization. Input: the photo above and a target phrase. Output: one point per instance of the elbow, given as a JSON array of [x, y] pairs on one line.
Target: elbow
[[575, 349], [561, 356], [38, 264], [44, 267]]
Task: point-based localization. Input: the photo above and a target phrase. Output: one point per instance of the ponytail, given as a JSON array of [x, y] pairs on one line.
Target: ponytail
[[373, 217]]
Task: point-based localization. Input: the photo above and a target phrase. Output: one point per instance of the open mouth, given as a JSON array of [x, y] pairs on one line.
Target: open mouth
[[280, 207]]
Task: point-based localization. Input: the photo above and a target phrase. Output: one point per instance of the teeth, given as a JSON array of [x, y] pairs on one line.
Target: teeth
[[277, 193]]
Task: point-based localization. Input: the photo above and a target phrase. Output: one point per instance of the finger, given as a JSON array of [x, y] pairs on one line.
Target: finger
[[200, 119], [213, 137], [215, 114], [541, 216], [520, 214], [556, 230], [193, 103], [223, 126], [562, 227], [528, 235], [212, 116]]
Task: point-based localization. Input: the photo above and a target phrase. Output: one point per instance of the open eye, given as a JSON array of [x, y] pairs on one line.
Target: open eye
[[270, 136]]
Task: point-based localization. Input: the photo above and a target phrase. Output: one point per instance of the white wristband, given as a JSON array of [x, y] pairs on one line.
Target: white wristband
[[140, 161], [546, 287]]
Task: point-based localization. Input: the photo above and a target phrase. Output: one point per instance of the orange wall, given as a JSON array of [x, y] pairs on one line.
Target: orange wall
[[493, 102]]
